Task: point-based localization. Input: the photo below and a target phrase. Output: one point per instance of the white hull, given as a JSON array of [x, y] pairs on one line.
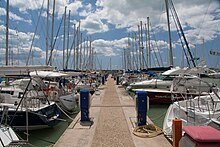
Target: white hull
[[68, 102], [7, 136], [202, 112]]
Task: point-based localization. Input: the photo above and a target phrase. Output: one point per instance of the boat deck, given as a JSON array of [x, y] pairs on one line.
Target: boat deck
[[114, 118]]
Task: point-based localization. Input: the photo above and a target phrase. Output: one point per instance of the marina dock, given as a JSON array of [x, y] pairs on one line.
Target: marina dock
[[113, 114]]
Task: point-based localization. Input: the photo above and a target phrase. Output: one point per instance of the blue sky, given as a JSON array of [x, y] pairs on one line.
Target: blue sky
[[108, 23]]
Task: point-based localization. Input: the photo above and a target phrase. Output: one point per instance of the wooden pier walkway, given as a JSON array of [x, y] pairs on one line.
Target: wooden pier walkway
[[113, 114]]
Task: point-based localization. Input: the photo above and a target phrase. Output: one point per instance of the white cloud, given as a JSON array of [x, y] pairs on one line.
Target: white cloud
[[108, 47], [194, 15], [19, 44], [93, 24], [24, 5], [13, 16]]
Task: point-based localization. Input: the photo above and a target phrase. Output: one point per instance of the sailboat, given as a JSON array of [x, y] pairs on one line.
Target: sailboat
[[26, 100], [200, 111], [62, 91]]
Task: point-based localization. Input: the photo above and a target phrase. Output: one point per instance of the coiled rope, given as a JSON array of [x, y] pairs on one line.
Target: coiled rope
[[147, 131]]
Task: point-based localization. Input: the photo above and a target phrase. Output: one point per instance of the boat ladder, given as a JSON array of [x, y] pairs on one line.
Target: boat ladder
[[190, 108]]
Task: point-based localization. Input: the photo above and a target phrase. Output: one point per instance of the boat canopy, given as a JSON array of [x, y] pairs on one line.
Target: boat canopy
[[48, 74]]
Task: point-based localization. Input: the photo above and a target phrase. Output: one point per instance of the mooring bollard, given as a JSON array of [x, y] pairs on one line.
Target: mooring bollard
[[84, 105], [177, 132], [141, 107]]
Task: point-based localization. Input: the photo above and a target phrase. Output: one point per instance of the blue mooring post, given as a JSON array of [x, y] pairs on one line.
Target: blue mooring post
[[117, 80], [84, 105], [106, 76], [103, 80], [141, 107]]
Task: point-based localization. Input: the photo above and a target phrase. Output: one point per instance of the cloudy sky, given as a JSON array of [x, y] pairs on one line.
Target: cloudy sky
[[108, 23]]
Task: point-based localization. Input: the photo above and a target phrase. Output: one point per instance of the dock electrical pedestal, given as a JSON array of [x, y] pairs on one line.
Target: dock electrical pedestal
[[84, 107], [141, 107], [103, 80], [117, 80]]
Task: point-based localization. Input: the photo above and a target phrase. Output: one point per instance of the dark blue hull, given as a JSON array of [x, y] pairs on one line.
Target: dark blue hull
[[42, 118]]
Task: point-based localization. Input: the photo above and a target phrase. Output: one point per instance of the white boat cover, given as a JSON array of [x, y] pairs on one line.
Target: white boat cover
[[51, 74]]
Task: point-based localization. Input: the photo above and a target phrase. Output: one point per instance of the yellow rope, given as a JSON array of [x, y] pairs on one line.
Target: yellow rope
[[147, 131]]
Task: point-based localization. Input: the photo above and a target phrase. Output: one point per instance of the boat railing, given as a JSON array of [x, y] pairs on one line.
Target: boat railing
[[190, 108]]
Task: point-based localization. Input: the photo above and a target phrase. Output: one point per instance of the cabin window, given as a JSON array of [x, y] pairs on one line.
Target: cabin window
[[20, 94], [8, 92], [166, 78]]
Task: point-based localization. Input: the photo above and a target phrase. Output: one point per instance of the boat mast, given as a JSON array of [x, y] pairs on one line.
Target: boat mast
[[84, 53], [7, 18], [136, 49], [168, 24], [87, 52], [149, 49], [110, 63], [129, 53], [47, 28], [80, 52], [125, 62], [145, 27], [90, 53], [51, 43], [142, 46], [68, 37], [74, 47], [64, 37], [139, 45]]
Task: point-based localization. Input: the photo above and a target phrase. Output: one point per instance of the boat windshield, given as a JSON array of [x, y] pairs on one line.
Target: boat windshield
[[165, 78]]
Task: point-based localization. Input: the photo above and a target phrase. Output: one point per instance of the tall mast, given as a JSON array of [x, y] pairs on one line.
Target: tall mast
[[129, 52], [136, 49], [125, 62], [68, 37], [147, 63], [7, 18], [149, 49], [77, 45], [74, 47], [47, 28], [122, 60], [80, 52], [133, 57], [51, 43], [90, 53], [142, 46], [139, 45], [84, 52], [168, 24], [92, 58], [87, 52], [64, 38], [110, 63]]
